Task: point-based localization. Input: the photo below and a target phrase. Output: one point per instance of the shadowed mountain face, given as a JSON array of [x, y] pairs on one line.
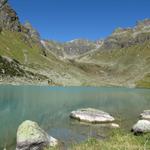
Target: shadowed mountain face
[[122, 59]]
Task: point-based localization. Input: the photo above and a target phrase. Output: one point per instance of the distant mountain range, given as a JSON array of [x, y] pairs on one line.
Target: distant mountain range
[[122, 59]]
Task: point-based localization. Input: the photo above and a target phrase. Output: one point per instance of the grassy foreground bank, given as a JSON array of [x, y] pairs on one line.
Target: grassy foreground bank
[[118, 140]]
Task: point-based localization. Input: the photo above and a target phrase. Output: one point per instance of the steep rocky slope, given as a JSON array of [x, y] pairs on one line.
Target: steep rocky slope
[[8, 18], [122, 59], [122, 38]]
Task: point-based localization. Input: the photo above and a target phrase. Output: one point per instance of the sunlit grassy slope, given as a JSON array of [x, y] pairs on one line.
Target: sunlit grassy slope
[[16, 46], [118, 140], [144, 82], [126, 66]]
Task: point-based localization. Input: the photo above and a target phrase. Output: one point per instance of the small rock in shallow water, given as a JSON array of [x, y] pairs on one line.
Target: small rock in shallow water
[[145, 114], [142, 126], [114, 125], [91, 115], [31, 137]]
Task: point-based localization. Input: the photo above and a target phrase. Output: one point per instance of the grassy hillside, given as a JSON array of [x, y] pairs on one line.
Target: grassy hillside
[[144, 82], [121, 67], [16, 45], [126, 66]]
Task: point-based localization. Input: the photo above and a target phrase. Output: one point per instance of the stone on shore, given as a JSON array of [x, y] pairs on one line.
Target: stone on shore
[[145, 115], [31, 137], [142, 126], [92, 116]]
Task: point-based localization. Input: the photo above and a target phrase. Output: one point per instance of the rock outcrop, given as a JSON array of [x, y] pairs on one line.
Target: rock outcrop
[[92, 115], [34, 34], [10, 67], [8, 17], [2, 3], [34, 37], [31, 137]]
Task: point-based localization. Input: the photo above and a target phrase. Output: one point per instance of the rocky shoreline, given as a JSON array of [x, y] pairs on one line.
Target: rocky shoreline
[[31, 136], [22, 81], [25, 81]]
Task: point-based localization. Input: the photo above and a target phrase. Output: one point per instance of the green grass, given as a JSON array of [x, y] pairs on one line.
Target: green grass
[[118, 140], [145, 82], [11, 45], [15, 45], [123, 66]]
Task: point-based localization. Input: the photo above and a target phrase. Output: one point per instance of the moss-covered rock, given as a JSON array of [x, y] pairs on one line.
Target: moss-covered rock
[[31, 136]]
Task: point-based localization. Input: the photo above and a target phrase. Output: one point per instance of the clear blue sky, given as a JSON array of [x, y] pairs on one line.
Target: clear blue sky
[[64, 20]]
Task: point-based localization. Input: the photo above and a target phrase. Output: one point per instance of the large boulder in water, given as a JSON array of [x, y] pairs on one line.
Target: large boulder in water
[[91, 115], [145, 114], [31, 137], [142, 126]]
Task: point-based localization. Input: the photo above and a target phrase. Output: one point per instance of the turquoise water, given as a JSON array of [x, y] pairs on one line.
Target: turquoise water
[[51, 106]]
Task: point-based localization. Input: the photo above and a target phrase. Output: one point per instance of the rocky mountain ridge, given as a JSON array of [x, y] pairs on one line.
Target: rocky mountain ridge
[[71, 49], [120, 38], [8, 18]]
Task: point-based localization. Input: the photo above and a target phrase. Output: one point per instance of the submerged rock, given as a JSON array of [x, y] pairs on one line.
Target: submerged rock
[[145, 114], [91, 115], [142, 126], [31, 137]]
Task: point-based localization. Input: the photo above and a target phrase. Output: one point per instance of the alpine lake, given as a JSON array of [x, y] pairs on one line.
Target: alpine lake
[[50, 107]]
